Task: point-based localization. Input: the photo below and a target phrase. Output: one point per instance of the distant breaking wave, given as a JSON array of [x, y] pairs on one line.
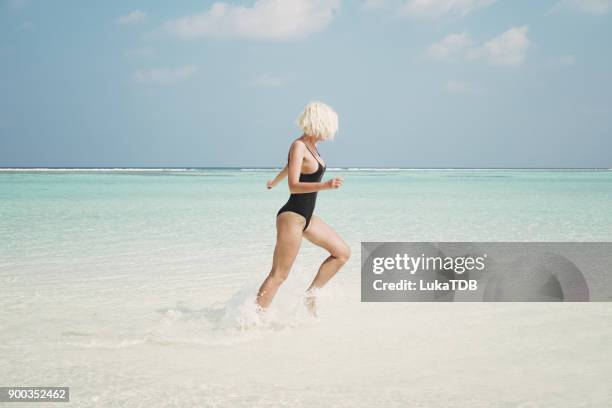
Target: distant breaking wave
[[97, 169], [261, 169]]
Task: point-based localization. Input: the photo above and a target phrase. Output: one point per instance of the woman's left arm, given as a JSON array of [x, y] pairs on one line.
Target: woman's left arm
[[281, 175]]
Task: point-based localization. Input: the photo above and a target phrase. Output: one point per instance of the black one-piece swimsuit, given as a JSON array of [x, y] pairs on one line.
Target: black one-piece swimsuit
[[304, 203]]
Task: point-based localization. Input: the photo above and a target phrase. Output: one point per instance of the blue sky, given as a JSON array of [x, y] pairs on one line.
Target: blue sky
[[417, 83]]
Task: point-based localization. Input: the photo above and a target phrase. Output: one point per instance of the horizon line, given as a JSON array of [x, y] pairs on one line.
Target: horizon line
[[161, 168]]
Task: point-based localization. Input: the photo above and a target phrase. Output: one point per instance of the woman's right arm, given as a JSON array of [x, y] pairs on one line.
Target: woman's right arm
[[296, 156], [281, 175]]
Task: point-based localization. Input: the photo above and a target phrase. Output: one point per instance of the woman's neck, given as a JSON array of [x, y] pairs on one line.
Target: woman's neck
[[309, 140]]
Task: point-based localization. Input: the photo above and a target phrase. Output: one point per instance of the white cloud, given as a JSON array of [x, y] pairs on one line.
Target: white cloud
[[586, 6], [265, 19], [134, 17], [450, 46], [458, 87], [164, 76], [440, 8], [509, 48], [270, 81]]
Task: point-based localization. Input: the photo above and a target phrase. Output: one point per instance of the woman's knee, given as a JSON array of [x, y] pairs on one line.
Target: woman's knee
[[343, 253]]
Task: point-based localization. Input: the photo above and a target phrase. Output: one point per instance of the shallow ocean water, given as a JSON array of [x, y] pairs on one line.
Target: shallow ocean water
[[135, 289]]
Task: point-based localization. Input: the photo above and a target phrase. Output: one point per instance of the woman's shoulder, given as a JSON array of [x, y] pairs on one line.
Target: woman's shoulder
[[298, 144]]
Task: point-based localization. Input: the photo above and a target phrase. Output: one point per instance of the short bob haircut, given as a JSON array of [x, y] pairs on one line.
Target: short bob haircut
[[318, 120]]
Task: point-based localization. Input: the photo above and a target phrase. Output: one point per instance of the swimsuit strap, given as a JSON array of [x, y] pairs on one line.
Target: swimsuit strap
[[315, 157]]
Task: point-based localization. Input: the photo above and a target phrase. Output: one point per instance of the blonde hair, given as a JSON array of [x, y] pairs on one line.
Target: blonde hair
[[319, 120]]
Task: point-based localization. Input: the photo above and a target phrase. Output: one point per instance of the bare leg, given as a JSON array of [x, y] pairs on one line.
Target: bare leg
[[321, 234], [288, 240]]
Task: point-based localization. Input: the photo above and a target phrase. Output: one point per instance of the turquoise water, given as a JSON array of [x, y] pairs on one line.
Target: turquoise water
[[135, 279], [116, 211]]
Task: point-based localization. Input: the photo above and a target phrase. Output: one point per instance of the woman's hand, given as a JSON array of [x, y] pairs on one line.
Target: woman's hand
[[334, 183], [270, 184]]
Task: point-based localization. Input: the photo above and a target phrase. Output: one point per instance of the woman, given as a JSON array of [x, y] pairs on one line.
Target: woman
[[295, 219]]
